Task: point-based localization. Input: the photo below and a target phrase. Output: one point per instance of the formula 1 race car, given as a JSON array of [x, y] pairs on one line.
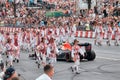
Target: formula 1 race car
[[89, 54]]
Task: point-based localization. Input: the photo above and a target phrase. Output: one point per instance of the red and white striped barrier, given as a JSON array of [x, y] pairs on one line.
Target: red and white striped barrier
[[85, 34], [82, 34], [91, 34], [8, 29]]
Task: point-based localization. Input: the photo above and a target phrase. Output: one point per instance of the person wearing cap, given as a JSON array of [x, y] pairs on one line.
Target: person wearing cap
[[10, 73], [76, 57], [48, 73]]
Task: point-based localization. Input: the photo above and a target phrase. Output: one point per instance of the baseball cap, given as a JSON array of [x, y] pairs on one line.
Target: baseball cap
[[9, 72]]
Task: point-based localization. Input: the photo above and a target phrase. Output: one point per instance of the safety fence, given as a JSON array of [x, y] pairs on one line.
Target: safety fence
[[81, 34], [91, 34]]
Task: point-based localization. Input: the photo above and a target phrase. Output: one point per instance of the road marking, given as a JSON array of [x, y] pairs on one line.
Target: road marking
[[114, 59]]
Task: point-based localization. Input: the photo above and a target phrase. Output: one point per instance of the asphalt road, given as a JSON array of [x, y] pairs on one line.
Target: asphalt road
[[106, 66]]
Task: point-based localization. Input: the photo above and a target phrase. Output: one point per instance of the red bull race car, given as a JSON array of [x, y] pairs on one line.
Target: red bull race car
[[65, 53]]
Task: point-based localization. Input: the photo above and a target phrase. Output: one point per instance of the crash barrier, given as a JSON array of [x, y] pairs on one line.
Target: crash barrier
[[9, 29], [82, 34], [12, 29], [91, 34]]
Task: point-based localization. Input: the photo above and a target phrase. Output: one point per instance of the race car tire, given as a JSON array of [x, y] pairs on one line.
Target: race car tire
[[91, 56], [68, 57], [81, 57]]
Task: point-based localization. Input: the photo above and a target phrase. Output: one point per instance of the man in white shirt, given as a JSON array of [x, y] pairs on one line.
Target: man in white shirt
[[48, 73]]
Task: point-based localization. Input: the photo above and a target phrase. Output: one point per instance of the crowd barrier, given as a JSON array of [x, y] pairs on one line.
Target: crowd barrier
[[82, 34], [91, 34]]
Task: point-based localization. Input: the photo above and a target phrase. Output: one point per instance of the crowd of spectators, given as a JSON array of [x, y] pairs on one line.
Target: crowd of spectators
[[21, 14]]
